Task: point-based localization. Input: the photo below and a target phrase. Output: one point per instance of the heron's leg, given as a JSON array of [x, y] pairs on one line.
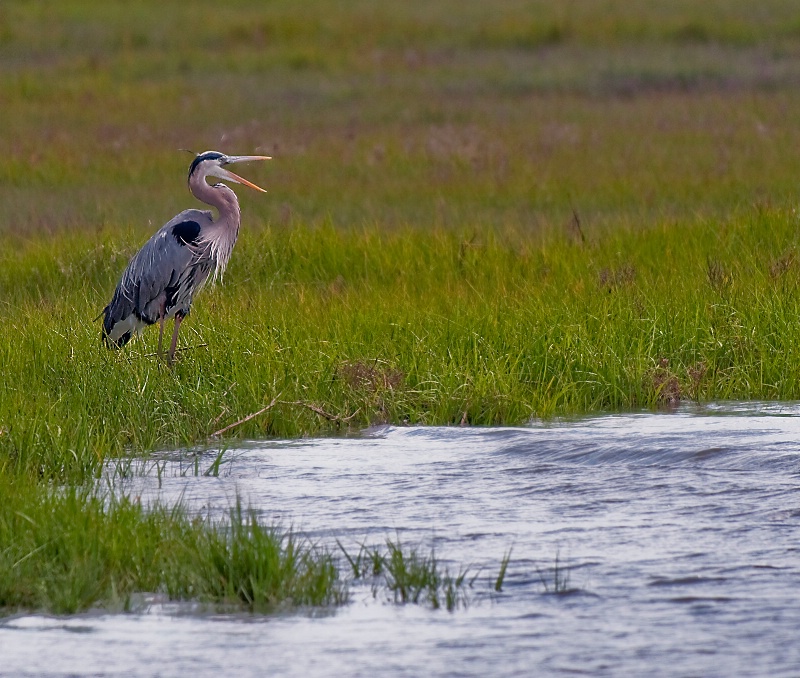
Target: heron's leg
[[162, 313], [178, 320], [160, 334]]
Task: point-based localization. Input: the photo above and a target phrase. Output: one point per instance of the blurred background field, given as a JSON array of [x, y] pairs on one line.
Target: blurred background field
[[454, 114]]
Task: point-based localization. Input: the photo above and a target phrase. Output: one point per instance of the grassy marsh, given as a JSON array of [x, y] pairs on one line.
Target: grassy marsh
[[348, 322], [478, 214]]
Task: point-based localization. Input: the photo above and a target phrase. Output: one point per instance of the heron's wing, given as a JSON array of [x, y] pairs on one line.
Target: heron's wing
[[162, 263], [156, 267]]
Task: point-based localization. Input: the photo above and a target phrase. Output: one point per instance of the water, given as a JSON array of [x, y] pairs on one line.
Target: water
[[679, 531]]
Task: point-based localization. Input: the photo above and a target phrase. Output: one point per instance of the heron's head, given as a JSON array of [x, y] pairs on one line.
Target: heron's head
[[212, 164]]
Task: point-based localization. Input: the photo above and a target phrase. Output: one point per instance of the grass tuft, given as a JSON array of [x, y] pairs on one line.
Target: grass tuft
[[501, 576], [266, 567], [75, 549], [558, 580], [408, 576]]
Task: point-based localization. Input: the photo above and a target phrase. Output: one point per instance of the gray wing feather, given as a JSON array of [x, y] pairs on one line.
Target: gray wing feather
[[163, 263]]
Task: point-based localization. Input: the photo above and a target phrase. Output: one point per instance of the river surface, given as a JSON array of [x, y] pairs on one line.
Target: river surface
[[678, 533]]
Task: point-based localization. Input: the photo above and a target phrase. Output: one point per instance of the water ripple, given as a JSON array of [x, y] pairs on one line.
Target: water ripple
[[677, 532]]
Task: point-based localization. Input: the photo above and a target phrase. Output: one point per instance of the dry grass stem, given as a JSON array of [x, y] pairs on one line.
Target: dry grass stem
[[335, 418], [245, 419]]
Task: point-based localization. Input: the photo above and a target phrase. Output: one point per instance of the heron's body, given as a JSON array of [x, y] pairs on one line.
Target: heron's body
[[162, 278]]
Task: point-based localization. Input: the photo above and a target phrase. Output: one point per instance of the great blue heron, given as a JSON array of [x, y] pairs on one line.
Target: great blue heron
[[163, 277]]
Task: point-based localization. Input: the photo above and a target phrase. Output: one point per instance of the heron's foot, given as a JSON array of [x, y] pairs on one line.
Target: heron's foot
[[173, 355], [165, 358]]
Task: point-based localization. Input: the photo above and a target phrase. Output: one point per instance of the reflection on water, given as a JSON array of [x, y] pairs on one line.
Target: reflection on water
[[680, 531]]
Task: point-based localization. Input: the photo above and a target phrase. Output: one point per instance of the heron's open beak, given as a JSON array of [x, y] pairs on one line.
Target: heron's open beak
[[235, 177]]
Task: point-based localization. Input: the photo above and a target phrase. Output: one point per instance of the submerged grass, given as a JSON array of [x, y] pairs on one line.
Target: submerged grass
[[557, 581], [478, 213], [408, 576], [501, 576]]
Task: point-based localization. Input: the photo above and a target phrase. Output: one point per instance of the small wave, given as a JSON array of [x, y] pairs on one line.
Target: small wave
[[707, 436], [686, 581]]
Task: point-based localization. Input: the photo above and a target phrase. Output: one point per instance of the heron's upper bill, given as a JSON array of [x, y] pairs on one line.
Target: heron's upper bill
[[229, 160]]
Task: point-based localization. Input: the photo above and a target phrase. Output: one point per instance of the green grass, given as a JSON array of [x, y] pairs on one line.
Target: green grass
[[73, 549], [479, 213], [76, 549], [501, 576], [404, 326]]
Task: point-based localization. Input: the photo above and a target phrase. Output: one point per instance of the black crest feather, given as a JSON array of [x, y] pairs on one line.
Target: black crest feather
[[208, 155]]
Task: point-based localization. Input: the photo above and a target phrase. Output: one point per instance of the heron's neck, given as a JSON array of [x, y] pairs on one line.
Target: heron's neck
[[219, 196], [218, 239]]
